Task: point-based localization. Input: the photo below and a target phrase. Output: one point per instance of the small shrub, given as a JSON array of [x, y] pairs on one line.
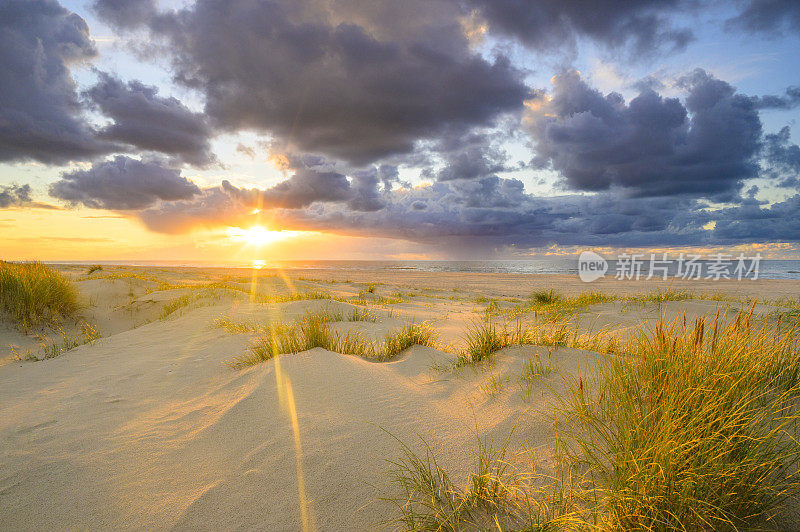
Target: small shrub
[[94, 268]]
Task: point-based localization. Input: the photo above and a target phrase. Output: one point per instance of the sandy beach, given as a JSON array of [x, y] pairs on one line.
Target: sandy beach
[[149, 427]]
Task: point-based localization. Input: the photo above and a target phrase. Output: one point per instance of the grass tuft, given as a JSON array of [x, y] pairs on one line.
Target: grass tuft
[[94, 268], [692, 427], [51, 349], [545, 297], [409, 335], [31, 294], [313, 330], [497, 497]]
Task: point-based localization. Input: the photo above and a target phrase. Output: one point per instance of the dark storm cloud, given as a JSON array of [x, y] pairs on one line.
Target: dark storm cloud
[[471, 156], [145, 120], [39, 108], [460, 215], [782, 158], [366, 191], [750, 222], [14, 195], [789, 100], [343, 79], [652, 146], [444, 216], [313, 180], [644, 25], [770, 17], [305, 187], [125, 13], [123, 183]]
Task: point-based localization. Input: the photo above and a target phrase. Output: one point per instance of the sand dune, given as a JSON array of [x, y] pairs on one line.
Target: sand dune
[[149, 428]]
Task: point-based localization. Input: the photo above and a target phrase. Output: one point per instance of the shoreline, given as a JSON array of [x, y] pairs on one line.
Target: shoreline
[[497, 284]]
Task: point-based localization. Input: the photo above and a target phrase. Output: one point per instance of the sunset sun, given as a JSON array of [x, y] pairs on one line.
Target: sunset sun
[[258, 235]]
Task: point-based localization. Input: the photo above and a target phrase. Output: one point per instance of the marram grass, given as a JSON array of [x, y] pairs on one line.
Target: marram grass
[[314, 330], [31, 294], [54, 348], [484, 338], [683, 426], [497, 496], [693, 428]]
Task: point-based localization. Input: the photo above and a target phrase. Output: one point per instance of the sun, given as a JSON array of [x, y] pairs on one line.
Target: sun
[[259, 236]]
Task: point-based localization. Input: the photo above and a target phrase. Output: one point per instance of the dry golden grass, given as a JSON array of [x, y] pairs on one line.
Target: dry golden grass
[[31, 294], [313, 330], [681, 427]]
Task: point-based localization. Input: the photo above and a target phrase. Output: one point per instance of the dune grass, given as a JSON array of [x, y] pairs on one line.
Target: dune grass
[[54, 348], [31, 294], [484, 338], [356, 314], [497, 496], [409, 335], [314, 330], [545, 297], [662, 295], [694, 427], [688, 426], [554, 306], [94, 268], [551, 305], [177, 304]]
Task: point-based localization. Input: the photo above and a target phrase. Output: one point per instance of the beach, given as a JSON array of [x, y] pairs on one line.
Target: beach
[[153, 425]]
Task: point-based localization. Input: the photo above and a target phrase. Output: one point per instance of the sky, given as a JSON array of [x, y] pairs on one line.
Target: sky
[[222, 130]]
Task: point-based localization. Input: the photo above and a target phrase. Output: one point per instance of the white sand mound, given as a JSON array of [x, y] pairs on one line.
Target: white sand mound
[[149, 429]]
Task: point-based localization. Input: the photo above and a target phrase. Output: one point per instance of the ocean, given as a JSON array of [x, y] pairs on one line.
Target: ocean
[[768, 269]]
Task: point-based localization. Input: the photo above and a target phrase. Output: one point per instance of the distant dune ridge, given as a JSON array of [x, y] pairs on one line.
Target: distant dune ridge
[[147, 425]]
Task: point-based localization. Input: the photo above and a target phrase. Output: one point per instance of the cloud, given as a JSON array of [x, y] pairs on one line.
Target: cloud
[[123, 183], [771, 17], [750, 222], [343, 79], [246, 150], [643, 25], [306, 186], [39, 108], [211, 208], [651, 146], [14, 195], [457, 217], [781, 158], [789, 101], [122, 13], [145, 120], [474, 155], [464, 217]]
